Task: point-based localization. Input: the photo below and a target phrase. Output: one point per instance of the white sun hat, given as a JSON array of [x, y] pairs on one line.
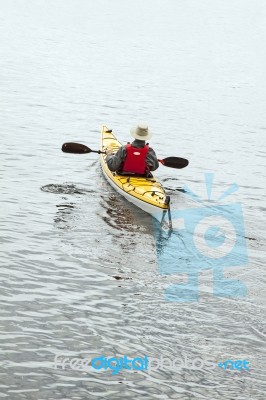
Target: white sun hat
[[141, 132]]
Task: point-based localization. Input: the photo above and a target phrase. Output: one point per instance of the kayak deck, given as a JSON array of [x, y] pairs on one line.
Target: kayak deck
[[146, 193]]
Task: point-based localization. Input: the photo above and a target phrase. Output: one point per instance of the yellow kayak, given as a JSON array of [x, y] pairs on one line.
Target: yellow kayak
[[146, 193]]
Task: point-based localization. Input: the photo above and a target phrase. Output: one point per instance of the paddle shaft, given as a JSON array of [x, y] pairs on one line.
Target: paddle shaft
[[98, 151]]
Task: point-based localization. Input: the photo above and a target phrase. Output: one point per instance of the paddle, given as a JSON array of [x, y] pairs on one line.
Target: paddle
[[174, 162], [77, 148]]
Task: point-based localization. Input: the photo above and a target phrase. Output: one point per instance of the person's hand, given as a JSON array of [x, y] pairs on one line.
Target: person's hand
[[109, 150]]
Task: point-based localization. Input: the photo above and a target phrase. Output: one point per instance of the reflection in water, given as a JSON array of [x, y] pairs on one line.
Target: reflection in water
[[122, 216], [161, 236]]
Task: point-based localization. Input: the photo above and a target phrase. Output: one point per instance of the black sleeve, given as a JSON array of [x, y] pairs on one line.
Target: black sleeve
[[151, 160], [115, 161]]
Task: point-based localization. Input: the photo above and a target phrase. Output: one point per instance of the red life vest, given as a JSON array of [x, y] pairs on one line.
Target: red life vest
[[135, 161]]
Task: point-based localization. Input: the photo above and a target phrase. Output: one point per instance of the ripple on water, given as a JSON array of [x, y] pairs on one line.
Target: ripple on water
[[65, 188]]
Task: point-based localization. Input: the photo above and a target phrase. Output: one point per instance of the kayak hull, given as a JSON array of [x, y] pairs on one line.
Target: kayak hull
[[145, 193]]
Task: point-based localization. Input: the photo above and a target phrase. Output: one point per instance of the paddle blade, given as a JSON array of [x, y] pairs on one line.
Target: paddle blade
[[174, 162], [75, 148]]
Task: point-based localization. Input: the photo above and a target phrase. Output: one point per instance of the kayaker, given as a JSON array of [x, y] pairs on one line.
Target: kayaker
[[136, 158]]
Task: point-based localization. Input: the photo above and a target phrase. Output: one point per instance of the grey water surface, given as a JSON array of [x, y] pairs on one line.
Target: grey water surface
[[79, 269]]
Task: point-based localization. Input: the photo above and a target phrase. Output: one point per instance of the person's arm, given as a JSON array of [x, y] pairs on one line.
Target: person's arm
[[115, 161], [151, 160]]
